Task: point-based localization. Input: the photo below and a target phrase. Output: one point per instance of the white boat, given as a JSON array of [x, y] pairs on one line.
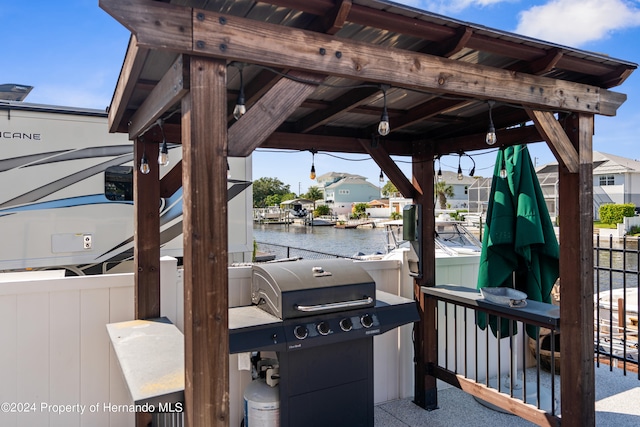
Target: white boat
[[452, 238], [618, 334]]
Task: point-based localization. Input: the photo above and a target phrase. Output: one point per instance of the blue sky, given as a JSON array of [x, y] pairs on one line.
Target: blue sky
[[71, 52]]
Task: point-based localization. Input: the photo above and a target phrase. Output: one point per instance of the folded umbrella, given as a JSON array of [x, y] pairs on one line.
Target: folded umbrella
[[519, 248]]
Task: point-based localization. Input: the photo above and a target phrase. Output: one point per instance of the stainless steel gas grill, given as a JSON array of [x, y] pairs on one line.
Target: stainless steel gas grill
[[320, 317]]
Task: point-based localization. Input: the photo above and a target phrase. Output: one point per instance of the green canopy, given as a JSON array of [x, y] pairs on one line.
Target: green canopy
[[519, 248]]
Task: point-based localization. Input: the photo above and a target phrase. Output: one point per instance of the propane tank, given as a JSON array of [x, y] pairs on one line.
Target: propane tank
[[262, 396]]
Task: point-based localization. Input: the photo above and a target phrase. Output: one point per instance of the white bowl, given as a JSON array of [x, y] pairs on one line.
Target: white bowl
[[504, 296]]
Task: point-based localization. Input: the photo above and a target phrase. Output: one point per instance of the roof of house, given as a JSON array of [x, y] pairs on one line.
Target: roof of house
[[332, 176], [452, 178], [351, 180], [603, 163]]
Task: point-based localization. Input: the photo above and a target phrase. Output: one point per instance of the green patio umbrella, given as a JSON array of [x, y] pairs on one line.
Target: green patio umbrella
[[519, 248]]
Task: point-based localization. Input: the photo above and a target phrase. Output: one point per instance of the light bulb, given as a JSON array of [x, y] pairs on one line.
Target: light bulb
[[312, 174], [144, 165], [239, 110], [439, 174], [460, 173], [383, 126], [503, 173], [228, 171], [491, 137], [163, 156], [381, 177]]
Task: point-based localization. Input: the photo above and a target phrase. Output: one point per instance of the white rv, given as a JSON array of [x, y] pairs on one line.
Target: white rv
[[66, 193]]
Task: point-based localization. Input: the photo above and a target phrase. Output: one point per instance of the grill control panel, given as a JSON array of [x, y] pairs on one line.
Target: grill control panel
[[311, 331]]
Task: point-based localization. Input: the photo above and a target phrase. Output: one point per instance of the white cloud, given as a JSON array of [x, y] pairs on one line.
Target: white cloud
[[450, 6], [576, 22]]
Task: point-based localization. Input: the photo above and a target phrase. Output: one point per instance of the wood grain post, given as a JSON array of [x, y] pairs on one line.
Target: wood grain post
[[426, 338], [204, 179], [146, 218], [576, 278]]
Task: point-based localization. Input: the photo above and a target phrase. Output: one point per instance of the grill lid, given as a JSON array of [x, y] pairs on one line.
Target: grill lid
[[303, 288]]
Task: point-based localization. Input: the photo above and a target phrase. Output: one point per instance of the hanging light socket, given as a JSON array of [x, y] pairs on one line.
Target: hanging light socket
[[383, 126], [491, 137], [460, 176], [240, 108], [312, 174], [381, 176], [163, 155]]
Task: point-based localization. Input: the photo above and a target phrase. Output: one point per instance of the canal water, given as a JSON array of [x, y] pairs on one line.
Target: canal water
[[326, 239]]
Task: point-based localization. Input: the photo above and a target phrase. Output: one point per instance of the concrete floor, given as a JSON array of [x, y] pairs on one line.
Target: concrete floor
[[617, 405]]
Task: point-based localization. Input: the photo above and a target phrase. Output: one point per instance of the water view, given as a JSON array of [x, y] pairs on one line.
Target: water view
[[326, 239]]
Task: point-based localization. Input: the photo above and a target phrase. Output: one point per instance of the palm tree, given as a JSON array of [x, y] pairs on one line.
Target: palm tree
[[314, 194], [443, 190]]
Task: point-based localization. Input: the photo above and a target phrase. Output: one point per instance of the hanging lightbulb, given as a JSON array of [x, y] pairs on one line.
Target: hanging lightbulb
[[240, 108], [460, 176], [491, 137], [383, 126], [381, 176], [439, 171], [144, 164], [503, 168], [163, 156], [228, 171], [312, 174]]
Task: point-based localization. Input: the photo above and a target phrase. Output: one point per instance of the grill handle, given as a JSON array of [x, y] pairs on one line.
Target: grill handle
[[333, 305]]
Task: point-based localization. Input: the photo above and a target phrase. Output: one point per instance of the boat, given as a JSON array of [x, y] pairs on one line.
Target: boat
[[618, 334], [452, 239]]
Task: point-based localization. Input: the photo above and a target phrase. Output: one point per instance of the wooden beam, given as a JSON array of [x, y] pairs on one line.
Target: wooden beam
[[332, 144], [352, 59], [131, 69], [269, 112], [514, 136], [390, 168], [556, 137], [206, 330], [228, 37], [527, 411], [171, 88], [453, 45], [146, 221], [334, 20], [576, 279], [426, 111], [345, 103], [426, 334], [171, 181]]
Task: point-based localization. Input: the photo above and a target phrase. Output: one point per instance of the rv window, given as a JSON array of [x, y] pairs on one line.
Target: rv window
[[118, 183]]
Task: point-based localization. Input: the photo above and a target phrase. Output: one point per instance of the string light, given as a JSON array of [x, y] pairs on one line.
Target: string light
[[144, 163], [459, 168], [163, 155], [383, 126], [503, 168], [439, 170], [491, 137], [312, 174], [381, 177], [240, 108], [228, 170]]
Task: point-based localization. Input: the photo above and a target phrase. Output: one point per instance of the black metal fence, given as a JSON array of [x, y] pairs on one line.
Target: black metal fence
[[616, 301]]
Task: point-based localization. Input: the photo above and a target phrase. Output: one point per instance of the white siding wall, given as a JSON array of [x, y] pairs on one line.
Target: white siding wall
[[56, 351]]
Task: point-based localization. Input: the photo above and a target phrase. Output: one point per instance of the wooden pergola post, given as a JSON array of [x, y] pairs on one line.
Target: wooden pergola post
[[576, 278], [204, 160], [426, 337]]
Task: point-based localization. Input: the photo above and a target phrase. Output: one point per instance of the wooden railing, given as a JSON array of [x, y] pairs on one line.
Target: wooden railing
[[499, 371]]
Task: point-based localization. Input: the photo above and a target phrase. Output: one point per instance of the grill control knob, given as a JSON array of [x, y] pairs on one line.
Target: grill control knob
[[346, 324], [300, 332], [323, 328], [366, 320]]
